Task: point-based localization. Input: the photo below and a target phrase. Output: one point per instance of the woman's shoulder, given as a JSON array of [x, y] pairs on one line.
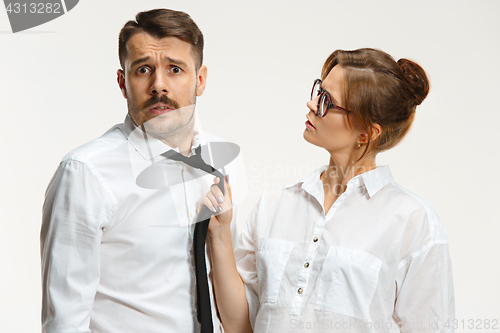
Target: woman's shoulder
[[401, 196], [419, 211], [270, 199], [272, 202], [290, 196], [277, 193]]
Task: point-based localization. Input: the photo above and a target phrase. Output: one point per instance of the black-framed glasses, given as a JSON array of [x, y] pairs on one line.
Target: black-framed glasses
[[325, 100]]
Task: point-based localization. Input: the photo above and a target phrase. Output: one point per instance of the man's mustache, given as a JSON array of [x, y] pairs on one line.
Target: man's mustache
[[160, 99]]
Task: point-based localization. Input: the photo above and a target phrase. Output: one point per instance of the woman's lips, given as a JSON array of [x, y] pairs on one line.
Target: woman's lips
[[309, 125]]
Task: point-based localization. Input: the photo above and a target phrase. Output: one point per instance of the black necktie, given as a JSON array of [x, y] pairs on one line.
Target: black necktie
[[204, 309]]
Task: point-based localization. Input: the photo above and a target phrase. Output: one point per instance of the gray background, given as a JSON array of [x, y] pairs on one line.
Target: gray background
[[58, 90]]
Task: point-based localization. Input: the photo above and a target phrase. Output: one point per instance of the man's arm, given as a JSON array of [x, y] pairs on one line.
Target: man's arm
[[75, 210]]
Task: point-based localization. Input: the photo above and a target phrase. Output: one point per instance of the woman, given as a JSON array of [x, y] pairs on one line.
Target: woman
[[346, 248]]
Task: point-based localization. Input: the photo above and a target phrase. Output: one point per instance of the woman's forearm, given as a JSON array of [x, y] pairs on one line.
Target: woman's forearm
[[229, 289]]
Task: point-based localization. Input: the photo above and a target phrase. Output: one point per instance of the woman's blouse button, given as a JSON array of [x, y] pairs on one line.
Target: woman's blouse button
[[315, 239], [306, 264], [300, 290]]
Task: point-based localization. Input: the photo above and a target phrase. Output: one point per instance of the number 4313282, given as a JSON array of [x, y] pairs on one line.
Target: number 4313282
[[34, 8]]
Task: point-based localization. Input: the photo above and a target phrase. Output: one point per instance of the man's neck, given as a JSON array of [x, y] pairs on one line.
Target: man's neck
[[183, 144], [181, 139]]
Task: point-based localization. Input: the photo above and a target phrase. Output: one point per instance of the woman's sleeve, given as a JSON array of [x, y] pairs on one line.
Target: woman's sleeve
[[424, 287], [245, 256]]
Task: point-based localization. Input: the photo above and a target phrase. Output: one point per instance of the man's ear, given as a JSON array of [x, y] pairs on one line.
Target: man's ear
[[201, 80], [120, 78]]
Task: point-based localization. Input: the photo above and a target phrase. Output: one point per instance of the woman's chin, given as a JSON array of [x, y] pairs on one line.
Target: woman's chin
[[309, 138], [305, 135]]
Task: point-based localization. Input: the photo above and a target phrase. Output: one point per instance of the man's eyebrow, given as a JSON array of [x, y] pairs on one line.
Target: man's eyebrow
[[175, 61], [138, 61], [166, 59]]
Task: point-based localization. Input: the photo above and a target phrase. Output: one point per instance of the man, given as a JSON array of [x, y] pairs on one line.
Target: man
[[118, 217]]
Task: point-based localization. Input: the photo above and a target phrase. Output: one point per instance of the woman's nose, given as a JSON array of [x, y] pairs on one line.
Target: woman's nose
[[313, 105]]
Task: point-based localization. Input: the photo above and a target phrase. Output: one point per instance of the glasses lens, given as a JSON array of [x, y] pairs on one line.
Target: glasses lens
[[322, 105], [316, 89]]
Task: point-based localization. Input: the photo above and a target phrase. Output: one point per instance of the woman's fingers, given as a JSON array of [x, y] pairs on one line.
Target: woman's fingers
[[218, 203], [227, 189], [210, 202], [216, 192], [224, 200]]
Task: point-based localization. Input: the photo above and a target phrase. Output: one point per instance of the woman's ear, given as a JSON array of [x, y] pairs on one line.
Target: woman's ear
[[376, 130]]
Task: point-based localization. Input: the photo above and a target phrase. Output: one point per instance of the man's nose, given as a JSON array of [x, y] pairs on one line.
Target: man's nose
[[313, 105], [159, 85]]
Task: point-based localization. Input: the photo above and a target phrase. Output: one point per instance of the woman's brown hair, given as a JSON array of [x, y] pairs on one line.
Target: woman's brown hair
[[379, 90]]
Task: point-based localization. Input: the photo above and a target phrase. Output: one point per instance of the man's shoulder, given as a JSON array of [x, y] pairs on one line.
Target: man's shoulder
[[108, 141]]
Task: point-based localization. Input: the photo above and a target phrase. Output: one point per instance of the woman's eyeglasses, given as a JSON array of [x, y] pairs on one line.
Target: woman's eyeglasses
[[325, 100]]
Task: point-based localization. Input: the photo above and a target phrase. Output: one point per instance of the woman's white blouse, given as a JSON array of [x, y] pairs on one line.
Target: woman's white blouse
[[377, 262]]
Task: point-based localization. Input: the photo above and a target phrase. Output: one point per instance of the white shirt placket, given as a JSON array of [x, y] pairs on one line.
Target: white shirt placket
[[304, 272]]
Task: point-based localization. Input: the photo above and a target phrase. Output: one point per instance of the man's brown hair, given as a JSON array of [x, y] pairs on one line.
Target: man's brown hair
[[161, 23]]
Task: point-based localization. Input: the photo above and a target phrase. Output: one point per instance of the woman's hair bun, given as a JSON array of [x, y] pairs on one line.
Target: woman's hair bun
[[415, 78]]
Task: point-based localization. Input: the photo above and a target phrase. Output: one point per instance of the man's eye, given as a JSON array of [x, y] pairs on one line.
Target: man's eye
[[143, 70], [175, 70]]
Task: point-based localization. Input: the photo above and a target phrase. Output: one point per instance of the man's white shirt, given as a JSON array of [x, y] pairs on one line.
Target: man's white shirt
[[117, 236]]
